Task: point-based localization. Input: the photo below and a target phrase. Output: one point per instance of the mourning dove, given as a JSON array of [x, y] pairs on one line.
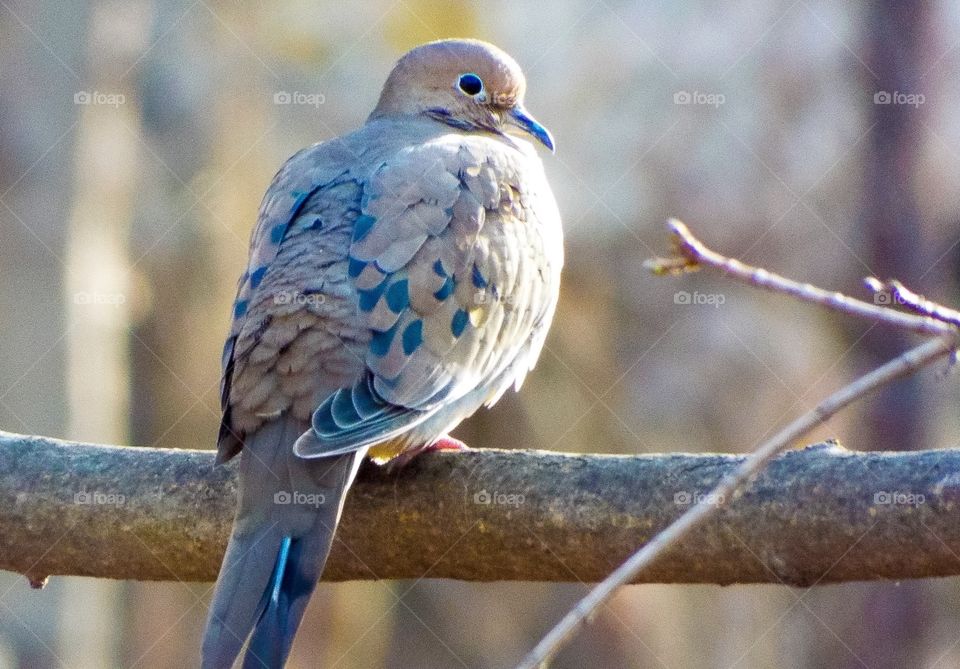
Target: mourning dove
[[400, 277]]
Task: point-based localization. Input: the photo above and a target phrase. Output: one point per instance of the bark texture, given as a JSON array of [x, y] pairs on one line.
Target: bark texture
[[817, 515]]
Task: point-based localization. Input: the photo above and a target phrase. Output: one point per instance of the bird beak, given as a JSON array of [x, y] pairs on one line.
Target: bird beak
[[519, 117]]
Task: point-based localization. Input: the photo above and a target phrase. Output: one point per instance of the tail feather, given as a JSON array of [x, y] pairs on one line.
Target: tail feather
[[288, 512], [295, 578], [268, 645]]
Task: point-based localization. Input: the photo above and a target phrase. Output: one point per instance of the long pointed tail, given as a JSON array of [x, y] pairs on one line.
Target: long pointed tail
[[288, 512]]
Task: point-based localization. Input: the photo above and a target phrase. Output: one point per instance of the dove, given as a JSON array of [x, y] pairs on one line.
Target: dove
[[400, 277]]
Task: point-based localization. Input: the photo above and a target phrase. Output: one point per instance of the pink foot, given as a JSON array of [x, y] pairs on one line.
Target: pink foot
[[447, 443]]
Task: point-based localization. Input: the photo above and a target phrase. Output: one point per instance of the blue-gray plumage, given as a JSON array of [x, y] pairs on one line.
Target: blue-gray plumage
[[399, 278]]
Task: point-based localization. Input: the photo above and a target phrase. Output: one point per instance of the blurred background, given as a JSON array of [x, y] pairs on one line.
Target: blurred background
[[817, 139]]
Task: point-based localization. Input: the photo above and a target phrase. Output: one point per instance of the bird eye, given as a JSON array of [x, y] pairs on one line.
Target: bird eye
[[470, 84]]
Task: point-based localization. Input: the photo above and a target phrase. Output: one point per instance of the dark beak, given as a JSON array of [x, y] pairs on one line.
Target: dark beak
[[519, 117]]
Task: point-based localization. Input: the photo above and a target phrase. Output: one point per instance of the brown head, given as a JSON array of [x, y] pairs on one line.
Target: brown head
[[467, 84]]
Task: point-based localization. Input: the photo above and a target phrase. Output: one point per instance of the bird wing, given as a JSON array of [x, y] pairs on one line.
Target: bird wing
[[455, 258], [278, 322]]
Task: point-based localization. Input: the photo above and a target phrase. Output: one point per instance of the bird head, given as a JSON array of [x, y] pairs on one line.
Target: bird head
[[467, 84]]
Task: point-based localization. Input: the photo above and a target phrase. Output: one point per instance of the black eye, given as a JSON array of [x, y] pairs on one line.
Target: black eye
[[470, 84]]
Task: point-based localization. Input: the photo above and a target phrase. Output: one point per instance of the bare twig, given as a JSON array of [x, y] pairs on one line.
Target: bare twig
[[695, 253], [897, 293]]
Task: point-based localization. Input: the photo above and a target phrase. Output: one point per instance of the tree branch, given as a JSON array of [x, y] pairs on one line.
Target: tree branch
[[691, 254], [819, 515], [729, 488]]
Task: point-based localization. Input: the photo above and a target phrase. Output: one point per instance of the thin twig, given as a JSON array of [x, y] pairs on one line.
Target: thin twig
[[897, 293], [728, 487], [695, 253]]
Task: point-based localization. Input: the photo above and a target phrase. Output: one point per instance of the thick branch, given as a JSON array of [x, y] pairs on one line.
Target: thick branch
[[692, 255], [814, 516]]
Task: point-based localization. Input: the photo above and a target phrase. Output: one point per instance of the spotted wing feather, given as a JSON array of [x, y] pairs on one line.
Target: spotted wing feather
[[456, 277]]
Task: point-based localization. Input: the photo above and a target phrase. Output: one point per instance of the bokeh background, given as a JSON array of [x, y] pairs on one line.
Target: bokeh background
[[818, 139]]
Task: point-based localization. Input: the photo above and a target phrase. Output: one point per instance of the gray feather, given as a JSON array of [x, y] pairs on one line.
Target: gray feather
[[281, 496]]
